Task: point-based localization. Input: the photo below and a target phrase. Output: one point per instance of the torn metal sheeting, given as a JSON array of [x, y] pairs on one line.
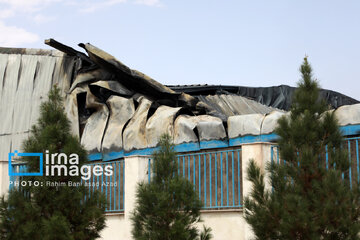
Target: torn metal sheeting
[[72, 109], [94, 129], [134, 133], [89, 77], [121, 111], [231, 105], [279, 97], [270, 122], [131, 79], [211, 130], [187, 129], [242, 125], [184, 129], [92, 101], [32, 51], [348, 115], [115, 87], [161, 122], [113, 108]]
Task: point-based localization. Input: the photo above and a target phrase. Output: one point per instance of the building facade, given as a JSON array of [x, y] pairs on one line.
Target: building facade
[[119, 114]]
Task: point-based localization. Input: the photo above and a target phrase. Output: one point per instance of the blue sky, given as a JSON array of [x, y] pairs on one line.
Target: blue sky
[[248, 43]]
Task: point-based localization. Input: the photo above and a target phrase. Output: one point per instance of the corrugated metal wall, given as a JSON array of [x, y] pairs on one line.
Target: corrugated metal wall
[[25, 80]]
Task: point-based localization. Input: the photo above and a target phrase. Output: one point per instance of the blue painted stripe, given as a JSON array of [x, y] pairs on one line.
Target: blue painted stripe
[[199, 176], [195, 146], [210, 180], [205, 179], [239, 180], [350, 130], [189, 167], [327, 157], [194, 168], [349, 153], [221, 177], [227, 179], [113, 155], [95, 156], [214, 144], [252, 139], [232, 174], [357, 160], [187, 147], [114, 188], [123, 188], [269, 137], [216, 185], [119, 188], [149, 170], [145, 151]]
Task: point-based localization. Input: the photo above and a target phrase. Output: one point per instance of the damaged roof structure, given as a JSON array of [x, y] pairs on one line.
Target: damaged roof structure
[[117, 111]]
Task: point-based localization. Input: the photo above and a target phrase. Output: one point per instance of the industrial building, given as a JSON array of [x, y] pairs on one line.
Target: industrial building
[[119, 114]]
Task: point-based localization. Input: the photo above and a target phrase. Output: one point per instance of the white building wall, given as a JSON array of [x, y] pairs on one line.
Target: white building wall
[[225, 224], [4, 177]]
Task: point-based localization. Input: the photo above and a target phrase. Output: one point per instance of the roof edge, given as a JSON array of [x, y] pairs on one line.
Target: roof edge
[[32, 51]]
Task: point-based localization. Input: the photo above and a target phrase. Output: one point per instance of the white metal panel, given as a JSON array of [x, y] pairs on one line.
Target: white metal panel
[[270, 122], [5, 144], [242, 125], [3, 65], [134, 133], [94, 130], [184, 129], [23, 95], [161, 122], [121, 111], [17, 141], [348, 115], [63, 71], [8, 93], [42, 85], [25, 80], [211, 130]]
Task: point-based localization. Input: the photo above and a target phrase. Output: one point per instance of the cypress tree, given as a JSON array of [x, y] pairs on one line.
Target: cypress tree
[[47, 211], [307, 198], [168, 207]]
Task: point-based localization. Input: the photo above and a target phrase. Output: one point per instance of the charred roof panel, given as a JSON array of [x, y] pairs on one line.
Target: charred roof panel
[[276, 96]]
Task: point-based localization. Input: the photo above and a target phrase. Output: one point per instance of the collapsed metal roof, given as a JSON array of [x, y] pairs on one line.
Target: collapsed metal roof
[[114, 109], [276, 96]]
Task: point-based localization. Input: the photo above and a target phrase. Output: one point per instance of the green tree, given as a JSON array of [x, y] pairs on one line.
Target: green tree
[[45, 211], [167, 207], [304, 199]]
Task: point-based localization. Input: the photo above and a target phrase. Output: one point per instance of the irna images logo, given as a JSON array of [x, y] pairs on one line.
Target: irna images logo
[[60, 164]]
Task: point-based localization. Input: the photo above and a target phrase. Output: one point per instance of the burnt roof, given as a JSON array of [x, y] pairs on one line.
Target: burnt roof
[[275, 96]]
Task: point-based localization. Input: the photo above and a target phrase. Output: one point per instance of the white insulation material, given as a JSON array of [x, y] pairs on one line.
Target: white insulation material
[[162, 122], [242, 125], [121, 111], [94, 130], [270, 122], [348, 115], [134, 133]]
